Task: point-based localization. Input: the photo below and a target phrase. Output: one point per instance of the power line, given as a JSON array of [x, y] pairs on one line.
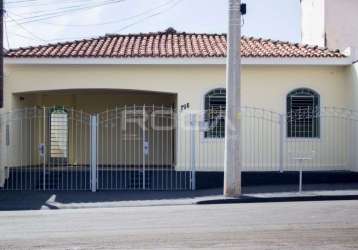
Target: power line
[[7, 35], [63, 2], [23, 28], [20, 1], [150, 16], [169, 5], [176, 2], [49, 11], [64, 10], [108, 22], [22, 36], [48, 3], [40, 3], [31, 19]]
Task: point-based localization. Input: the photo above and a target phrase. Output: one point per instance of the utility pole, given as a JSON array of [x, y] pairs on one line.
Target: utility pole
[[2, 54], [232, 172]]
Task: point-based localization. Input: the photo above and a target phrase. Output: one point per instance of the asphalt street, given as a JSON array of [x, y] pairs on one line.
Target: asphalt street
[[293, 225]]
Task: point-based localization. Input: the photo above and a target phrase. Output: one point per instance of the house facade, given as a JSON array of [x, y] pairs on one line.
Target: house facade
[[159, 103]]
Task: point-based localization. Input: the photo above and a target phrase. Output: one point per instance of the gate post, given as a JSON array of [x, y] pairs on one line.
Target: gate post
[[192, 153], [93, 154], [281, 143], [143, 147], [45, 149]]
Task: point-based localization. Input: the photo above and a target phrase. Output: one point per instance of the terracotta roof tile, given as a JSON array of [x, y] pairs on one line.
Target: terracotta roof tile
[[170, 44]]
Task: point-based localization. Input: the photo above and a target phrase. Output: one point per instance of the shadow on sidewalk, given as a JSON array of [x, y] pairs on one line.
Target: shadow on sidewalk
[[81, 199], [42, 200]]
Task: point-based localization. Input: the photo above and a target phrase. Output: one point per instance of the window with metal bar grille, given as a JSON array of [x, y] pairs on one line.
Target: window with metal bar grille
[[303, 114], [215, 104], [58, 133]]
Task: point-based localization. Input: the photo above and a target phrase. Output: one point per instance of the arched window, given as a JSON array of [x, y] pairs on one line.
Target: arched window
[[303, 113], [215, 103], [58, 126]]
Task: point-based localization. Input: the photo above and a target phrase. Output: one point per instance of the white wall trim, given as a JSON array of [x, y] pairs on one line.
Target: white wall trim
[[179, 61], [299, 61]]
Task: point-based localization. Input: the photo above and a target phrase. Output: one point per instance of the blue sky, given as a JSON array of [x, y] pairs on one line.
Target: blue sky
[[26, 25]]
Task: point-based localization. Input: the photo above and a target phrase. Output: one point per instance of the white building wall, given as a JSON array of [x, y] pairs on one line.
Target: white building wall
[[330, 23], [341, 23], [352, 78], [313, 22]]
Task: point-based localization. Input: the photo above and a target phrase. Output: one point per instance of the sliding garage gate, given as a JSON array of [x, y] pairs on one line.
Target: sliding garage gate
[[127, 148], [136, 150]]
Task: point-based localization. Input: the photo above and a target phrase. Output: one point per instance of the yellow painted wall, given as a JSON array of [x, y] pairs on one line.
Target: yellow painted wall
[[262, 87], [92, 101], [267, 87]]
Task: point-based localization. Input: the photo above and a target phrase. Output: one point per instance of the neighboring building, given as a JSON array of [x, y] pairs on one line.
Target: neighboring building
[[330, 23]]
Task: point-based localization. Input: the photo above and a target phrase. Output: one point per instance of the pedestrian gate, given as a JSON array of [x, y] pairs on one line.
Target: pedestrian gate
[[127, 148]]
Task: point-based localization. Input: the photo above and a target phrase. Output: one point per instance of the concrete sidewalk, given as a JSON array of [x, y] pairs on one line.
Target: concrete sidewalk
[[75, 199], [72, 200], [282, 197]]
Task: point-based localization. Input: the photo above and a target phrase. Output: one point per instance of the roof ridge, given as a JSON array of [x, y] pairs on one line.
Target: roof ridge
[[88, 39], [164, 32]]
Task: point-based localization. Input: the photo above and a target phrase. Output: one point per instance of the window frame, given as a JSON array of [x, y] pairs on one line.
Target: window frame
[[317, 130], [206, 120]]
